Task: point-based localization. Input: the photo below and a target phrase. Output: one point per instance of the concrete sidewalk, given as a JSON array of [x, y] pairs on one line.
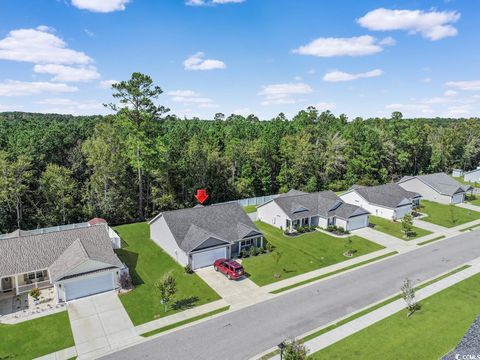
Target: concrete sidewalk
[[389, 241], [350, 328], [469, 206], [325, 270], [429, 226]]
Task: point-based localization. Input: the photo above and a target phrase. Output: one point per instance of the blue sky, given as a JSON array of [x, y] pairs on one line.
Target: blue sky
[[361, 58]]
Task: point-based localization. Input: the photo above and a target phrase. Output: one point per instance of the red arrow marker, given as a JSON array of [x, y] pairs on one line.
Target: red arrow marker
[[201, 195]]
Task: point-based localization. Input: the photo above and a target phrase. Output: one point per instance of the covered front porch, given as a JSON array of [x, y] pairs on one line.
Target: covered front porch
[[22, 283], [246, 244]]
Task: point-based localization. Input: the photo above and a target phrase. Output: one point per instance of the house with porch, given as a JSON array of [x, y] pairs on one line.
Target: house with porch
[[75, 260], [296, 208], [200, 235], [389, 201]]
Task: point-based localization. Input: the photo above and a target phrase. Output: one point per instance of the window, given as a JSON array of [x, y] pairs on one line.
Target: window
[[31, 276], [39, 274]]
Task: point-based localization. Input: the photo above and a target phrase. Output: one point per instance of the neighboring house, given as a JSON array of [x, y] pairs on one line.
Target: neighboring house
[[457, 172], [438, 187], [198, 236], [295, 208], [389, 201], [472, 176], [77, 260]]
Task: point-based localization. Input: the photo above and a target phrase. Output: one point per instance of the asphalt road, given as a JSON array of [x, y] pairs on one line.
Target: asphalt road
[[247, 332]]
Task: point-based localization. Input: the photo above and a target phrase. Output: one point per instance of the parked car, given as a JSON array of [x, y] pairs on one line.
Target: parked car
[[230, 268]]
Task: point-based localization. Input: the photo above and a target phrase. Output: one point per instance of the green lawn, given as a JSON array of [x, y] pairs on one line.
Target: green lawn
[[147, 264], [428, 334], [474, 200], [447, 215], [395, 228], [34, 338], [300, 254], [461, 181], [250, 209]]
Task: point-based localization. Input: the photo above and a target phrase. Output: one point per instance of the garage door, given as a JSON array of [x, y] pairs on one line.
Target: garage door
[[357, 222], [457, 198], [207, 258], [84, 287]]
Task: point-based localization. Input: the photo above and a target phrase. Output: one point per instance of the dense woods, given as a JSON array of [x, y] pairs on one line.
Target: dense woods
[[57, 169]]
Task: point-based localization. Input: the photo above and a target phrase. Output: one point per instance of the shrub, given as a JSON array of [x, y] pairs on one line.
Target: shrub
[[35, 293], [269, 247], [340, 230], [253, 251], [295, 350], [126, 281], [331, 228], [188, 269], [244, 253]]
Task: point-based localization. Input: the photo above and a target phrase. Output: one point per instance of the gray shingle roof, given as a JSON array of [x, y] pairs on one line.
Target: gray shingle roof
[[441, 182], [389, 195], [324, 203], [36, 252], [223, 222]]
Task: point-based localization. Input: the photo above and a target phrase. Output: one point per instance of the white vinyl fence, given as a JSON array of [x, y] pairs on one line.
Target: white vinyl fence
[[253, 201]]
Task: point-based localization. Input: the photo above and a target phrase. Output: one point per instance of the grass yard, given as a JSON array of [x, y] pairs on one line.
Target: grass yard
[[300, 254], [428, 334], [35, 338], [147, 263], [474, 200], [447, 215], [250, 209], [395, 228], [461, 181]]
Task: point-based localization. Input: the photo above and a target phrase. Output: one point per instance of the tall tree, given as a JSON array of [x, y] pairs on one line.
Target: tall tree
[[136, 112]]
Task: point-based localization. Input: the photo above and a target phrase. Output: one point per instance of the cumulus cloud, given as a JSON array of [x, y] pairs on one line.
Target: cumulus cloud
[[450, 93], [329, 47], [39, 46], [65, 73], [69, 106], [198, 62], [336, 76], [283, 93], [107, 84], [100, 6], [433, 25], [190, 97], [212, 2], [25, 88], [464, 85]]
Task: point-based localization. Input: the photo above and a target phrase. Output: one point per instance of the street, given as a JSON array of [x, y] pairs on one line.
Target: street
[[249, 331]]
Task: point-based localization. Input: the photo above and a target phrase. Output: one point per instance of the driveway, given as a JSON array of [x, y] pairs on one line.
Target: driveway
[[237, 293], [247, 332], [100, 323]]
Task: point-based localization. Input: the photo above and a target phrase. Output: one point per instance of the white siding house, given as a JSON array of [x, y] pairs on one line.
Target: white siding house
[[160, 233], [472, 176]]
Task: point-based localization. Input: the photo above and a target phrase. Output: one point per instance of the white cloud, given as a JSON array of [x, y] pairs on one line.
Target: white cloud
[[39, 46], [11, 107], [323, 106], [212, 2], [107, 84], [433, 25], [388, 41], [427, 80], [335, 76], [65, 73], [242, 111], [464, 85], [23, 88], [450, 93], [183, 93], [283, 93], [69, 106], [329, 47], [311, 71], [197, 62], [89, 33], [190, 97], [101, 6]]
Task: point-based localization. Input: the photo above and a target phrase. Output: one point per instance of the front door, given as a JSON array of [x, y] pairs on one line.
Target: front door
[[7, 284]]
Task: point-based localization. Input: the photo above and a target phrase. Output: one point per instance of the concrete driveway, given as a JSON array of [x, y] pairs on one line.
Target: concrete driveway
[[99, 324], [237, 293]]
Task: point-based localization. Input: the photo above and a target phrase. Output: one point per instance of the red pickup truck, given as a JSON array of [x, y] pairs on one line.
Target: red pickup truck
[[230, 268]]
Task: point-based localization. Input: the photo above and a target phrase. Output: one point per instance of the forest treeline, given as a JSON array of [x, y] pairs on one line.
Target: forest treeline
[[59, 169]]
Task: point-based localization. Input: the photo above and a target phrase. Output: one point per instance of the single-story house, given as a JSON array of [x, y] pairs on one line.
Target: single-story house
[[472, 176], [438, 187], [389, 201], [77, 260], [296, 208], [457, 172], [200, 235]]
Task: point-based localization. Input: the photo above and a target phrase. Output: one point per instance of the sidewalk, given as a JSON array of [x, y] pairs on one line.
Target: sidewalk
[[362, 322], [184, 315], [429, 226], [469, 206], [389, 241], [328, 269]]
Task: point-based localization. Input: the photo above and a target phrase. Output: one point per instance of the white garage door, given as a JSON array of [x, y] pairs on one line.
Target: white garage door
[[207, 258], [457, 198], [90, 286], [357, 222]]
